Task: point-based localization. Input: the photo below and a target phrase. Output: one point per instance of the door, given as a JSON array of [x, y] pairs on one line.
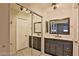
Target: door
[[21, 35]]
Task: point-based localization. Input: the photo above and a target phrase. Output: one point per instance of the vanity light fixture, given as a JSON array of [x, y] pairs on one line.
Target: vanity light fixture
[[21, 8]]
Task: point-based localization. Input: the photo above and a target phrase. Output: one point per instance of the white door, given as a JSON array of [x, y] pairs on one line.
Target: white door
[[21, 35]]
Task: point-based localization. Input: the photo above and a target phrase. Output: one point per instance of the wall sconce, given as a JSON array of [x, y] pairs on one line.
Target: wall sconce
[[54, 5], [22, 9]]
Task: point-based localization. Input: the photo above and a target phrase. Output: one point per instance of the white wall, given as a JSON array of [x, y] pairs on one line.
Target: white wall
[[60, 13], [4, 29], [64, 11]]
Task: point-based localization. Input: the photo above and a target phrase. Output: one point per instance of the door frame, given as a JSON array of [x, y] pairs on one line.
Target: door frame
[[16, 33]]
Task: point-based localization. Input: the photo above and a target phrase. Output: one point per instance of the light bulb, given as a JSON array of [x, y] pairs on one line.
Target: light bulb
[[27, 11], [24, 9]]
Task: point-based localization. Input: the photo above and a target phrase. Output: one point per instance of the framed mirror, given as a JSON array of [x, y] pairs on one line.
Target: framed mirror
[[37, 27], [60, 26]]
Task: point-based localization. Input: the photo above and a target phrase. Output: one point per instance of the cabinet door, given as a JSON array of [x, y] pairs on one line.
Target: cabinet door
[[47, 45], [68, 49], [35, 43], [39, 44], [52, 47], [30, 40], [59, 49]]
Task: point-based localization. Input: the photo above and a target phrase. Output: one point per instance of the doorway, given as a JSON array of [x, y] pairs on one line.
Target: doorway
[[21, 34]]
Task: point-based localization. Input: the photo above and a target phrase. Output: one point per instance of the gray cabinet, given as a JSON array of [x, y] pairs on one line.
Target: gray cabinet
[[36, 42], [58, 47]]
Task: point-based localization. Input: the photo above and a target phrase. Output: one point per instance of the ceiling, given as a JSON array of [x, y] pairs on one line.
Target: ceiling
[[44, 5]]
